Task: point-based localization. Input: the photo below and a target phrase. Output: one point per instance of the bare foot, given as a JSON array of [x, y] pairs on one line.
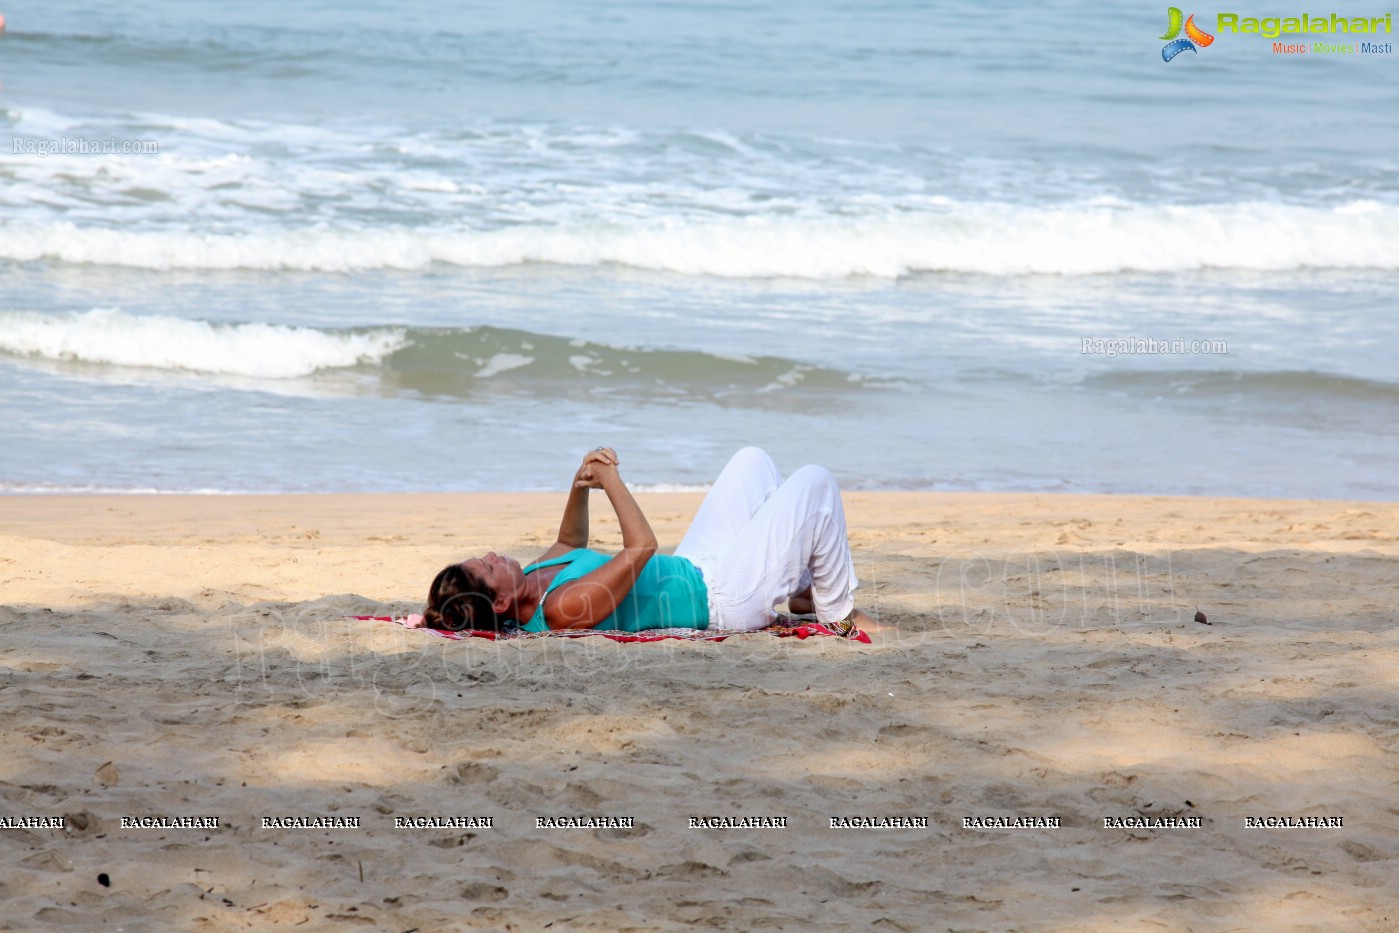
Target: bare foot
[[862, 620], [851, 625]]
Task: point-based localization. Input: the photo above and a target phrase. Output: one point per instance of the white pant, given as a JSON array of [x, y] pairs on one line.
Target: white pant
[[758, 540]]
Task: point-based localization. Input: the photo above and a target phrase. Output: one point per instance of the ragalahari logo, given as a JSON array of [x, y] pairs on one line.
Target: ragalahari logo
[[1193, 33]]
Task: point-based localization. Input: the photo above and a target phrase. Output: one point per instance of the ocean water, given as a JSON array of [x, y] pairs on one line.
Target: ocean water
[[382, 246]]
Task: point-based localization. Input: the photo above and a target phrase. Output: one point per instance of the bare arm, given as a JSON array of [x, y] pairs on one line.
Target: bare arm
[[573, 527], [585, 602]]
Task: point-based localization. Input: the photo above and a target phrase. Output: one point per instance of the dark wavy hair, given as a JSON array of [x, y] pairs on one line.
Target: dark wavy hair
[[457, 601]]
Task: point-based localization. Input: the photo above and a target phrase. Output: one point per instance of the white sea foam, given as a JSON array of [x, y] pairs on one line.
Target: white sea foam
[[989, 239], [348, 197], [503, 363], [262, 351], [670, 487], [88, 489]]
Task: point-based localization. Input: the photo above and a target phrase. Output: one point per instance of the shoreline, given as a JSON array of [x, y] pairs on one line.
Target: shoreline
[[22, 510]]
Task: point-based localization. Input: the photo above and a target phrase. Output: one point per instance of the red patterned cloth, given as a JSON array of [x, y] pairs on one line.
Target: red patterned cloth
[[782, 628]]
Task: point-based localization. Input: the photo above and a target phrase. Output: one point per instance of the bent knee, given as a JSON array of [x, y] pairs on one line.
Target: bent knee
[[814, 474], [753, 458], [750, 453]]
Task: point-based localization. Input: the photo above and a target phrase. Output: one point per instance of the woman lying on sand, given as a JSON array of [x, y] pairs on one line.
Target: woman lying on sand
[[755, 542]]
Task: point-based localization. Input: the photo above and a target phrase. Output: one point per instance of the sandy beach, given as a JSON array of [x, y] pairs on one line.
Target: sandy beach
[[1037, 663]]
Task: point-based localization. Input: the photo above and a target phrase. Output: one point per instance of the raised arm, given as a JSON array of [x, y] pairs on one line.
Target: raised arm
[[573, 527], [585, 602]]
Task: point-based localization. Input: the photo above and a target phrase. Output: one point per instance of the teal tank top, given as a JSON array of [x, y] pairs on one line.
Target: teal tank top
[[669, 593]]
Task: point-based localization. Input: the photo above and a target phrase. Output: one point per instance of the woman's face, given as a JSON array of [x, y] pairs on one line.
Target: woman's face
[[503, 575]]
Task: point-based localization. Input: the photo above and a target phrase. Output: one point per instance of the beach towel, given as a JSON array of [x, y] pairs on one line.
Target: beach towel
[[784, 627]]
